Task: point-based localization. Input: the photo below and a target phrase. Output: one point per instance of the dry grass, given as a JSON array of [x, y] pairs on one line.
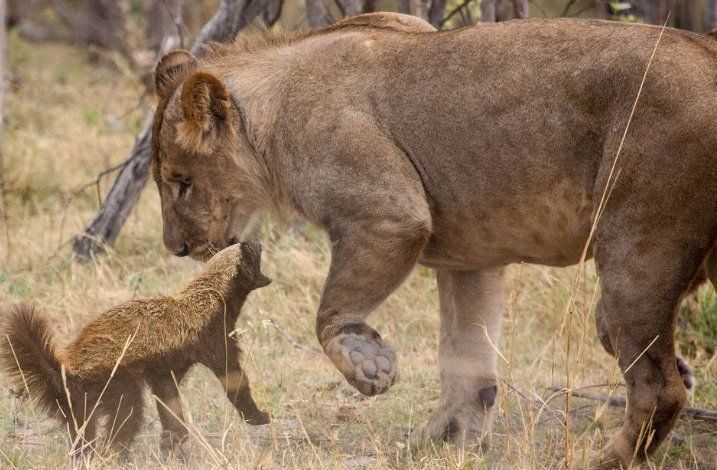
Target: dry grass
[[69, 120]]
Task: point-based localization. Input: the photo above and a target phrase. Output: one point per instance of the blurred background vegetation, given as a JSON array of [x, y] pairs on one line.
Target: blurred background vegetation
[[133, 26]]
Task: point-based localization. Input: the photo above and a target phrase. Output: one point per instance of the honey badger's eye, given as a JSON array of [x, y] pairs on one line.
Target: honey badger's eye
[[184, 187]]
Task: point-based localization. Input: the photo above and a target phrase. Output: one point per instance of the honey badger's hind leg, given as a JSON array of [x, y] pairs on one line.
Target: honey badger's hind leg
[[84, 438], [124, 409], [169, 406]]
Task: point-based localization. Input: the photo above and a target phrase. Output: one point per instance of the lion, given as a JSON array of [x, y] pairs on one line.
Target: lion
[[464, 151], [154, 342]]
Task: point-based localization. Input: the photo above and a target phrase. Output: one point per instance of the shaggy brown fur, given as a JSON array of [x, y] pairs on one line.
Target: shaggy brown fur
[[465, 151], [150, 342]]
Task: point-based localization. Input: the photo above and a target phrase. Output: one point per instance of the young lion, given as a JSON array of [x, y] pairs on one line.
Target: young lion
[[149, 341], [544, 154]]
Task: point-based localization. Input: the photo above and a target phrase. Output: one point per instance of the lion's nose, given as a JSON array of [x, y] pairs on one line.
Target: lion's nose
[[184, 252]]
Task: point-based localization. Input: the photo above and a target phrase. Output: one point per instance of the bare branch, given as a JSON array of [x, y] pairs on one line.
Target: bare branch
[[177, 19], [351, 7], [316, 13], [568, 5], [487, 11], [617, 401], [437, 12], [272, 12], [456, 11]]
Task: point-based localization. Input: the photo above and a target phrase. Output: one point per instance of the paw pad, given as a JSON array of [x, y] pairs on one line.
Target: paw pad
[[362, 356]]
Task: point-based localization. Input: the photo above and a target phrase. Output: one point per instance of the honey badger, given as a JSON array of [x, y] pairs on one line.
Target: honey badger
[[150, 342]]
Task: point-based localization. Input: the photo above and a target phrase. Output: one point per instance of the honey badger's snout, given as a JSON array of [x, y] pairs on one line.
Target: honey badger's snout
[[251, 260]]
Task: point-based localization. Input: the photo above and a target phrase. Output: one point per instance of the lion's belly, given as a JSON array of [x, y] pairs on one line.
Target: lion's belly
[[551, 229]]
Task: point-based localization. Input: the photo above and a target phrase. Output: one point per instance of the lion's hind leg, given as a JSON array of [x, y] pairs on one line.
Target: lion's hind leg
[[641, 291], [603, 332]]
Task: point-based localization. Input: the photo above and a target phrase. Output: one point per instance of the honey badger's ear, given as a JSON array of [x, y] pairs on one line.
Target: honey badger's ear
[[171, 70], [251, 262], [205, 108]]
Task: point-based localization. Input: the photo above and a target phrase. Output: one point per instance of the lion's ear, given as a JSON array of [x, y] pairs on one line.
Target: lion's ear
[[205, 108], [204, 99], [171, 70]]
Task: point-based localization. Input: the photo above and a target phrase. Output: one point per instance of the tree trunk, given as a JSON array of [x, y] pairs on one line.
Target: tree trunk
[[712, 14], [351, 7], [272, 12], [157, 23], [669, 8], [3, 47], [652, 11], [404, 6], [97, 22], [487, 11], [687, 15], [160, 22], [223, 26], [126, 189], [316, 13], [437, 12], [520, 8], [420, 8], [253, 9]]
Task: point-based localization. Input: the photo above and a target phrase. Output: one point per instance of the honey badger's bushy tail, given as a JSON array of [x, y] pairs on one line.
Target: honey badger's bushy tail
[[28, 355]]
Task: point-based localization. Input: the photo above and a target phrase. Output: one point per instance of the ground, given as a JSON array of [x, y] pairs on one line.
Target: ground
[[68, 118]]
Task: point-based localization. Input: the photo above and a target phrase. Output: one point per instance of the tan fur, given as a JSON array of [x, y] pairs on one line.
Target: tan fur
[[466, 151], [171, 69], [148, 341]]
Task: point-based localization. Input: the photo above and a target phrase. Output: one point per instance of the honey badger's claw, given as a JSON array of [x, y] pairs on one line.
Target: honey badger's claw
[[365, 360]]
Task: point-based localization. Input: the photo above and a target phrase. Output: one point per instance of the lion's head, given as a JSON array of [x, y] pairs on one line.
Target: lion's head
[[199, 160], [211, 180]]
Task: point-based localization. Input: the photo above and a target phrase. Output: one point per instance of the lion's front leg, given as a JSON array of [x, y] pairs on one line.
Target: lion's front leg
[[368, 262], [471, 312]]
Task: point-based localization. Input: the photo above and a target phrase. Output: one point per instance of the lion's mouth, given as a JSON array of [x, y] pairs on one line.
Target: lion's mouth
[[202, 252], [205, 251]]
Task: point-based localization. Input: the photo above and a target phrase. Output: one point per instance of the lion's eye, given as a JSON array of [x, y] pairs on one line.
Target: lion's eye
[[184, 187]]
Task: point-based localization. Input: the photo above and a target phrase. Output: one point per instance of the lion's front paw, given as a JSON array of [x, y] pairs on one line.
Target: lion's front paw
[[361, 355]]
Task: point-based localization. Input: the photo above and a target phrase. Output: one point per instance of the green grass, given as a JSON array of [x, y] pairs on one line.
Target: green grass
[[58, 139]]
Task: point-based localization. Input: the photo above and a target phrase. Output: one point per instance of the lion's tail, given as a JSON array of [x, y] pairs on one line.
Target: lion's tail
[[28, 355]]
